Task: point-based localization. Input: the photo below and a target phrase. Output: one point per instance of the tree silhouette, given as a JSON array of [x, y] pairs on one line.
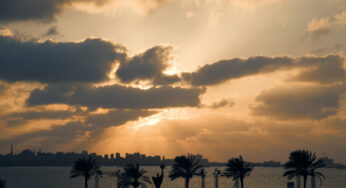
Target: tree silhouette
[[238, 169], [85, 168], [303, 163], [185, 167], [133, 176], [159, 178]]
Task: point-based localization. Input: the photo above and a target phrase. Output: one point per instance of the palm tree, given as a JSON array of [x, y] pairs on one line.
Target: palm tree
[[315, 175], [85, 168], [159, 178], [238, 169], [303, 163], [185, 167], [133, 176]]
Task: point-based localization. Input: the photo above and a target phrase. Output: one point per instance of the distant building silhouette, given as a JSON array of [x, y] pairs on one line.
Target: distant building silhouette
[[29, 158], [11, 152]]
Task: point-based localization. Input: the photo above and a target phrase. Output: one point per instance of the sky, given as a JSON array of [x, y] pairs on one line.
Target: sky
[[223, 78]]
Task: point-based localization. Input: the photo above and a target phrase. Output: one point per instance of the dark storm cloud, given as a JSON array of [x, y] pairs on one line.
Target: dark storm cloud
[[35, 10], [48, 62], [148, 66], [311, 102], [115, 96], [224, 70], [60, 135]]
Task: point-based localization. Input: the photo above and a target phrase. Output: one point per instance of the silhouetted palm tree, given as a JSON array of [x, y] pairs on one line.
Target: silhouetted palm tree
[[159, 178], [133, 176], [303, 163], [315, 175], [185, 167], [85, 168], [238, 169]]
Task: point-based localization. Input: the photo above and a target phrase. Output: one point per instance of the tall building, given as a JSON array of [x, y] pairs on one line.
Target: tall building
[[11, 153], [118, 155], [112, 156]]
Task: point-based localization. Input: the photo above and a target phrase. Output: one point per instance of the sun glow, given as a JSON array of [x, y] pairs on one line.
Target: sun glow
[[167, 114]]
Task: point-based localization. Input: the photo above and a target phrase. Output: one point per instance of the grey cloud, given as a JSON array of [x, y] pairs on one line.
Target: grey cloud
[[148, 66], [302, 102], [52, 31], [47, 62], [35, 10], [30, 115], [224, 70], [116, 96], [61, 135], [2, 87], [222, 103], [19, 118], [317, 34], [328, 72]]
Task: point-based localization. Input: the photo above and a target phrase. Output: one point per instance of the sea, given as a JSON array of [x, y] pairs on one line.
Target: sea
[[58, 177]]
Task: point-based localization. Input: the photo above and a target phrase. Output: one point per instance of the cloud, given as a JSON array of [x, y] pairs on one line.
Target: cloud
[[299, 102], [222, 103], [116, 117], [2, 87], [326, 70], [224, 70], [19, 118], [116, 96], [318, 28], [148, 65], [50, 62], [5, 31], [37, 10], [221, 71], [341, 18], [52, 31], [76, 133]]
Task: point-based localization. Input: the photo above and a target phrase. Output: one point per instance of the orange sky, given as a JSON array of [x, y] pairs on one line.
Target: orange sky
[[257, 77]]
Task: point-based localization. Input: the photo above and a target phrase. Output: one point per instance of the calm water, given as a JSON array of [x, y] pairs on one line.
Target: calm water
[[58, 177]]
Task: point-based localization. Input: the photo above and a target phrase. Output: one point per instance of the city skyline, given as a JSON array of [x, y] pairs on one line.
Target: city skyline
[[144, 159], [257, 78]]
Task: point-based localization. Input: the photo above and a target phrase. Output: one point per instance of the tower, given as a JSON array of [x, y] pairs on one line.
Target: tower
[[11, 153]]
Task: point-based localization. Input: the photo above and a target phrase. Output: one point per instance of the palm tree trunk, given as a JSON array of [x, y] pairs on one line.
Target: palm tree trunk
[[85, 182], [236, 184], [298, 181], [313, 182], [203, 181], [187, 182], [97, 181], [305, 177], [242, 182]]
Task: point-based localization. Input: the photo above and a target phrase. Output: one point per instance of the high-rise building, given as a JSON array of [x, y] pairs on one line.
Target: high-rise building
[[106, 156], [112, 156], [117, 155], [11, 153]]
